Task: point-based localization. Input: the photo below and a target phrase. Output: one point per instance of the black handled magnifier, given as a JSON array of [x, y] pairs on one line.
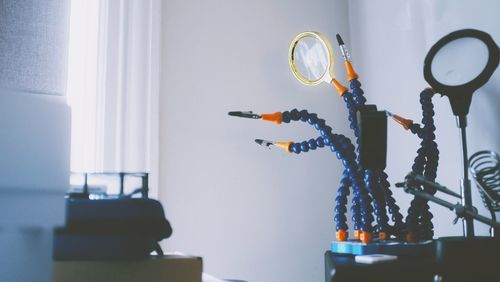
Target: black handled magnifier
[[456, 66]]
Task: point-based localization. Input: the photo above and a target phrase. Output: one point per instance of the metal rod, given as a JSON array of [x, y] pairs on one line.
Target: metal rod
[[423, 180], [85, 184], [459, 209], [145, 185], [431, 198], [482, 219], [122, 183], [468, 223]]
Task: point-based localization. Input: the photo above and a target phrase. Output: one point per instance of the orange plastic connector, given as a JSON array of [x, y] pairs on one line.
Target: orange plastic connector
[[284, 145], [351, 73], [383, 236], [276, 117], [341, 89], [410, 237], [406, 123], [356, 234], [365, 237], [341, 235]]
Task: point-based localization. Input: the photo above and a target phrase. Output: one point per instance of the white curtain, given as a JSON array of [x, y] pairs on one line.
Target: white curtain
[[113, 85]]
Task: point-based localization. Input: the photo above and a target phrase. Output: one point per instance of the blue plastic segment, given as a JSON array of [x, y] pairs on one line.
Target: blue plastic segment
[[357, 92], [390, 247], [344, 150], [418, 220]]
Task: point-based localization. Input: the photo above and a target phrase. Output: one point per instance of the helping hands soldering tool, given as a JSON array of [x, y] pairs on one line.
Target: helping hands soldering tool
[[363, 172], [352, 176], [366, 185]]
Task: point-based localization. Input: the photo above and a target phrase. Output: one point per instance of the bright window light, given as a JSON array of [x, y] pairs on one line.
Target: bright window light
[[82, 84]]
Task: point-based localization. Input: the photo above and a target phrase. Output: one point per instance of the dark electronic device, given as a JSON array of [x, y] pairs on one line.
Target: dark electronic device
[[342, 267], [102, 226], [372, 137]]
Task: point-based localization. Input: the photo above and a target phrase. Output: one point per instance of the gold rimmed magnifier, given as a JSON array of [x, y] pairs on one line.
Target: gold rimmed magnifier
[[311, 60]]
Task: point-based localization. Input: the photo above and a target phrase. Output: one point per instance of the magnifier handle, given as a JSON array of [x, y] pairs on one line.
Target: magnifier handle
[[460, 102]]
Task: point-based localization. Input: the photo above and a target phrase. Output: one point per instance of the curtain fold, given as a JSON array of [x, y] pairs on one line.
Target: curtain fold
[[115, 113]]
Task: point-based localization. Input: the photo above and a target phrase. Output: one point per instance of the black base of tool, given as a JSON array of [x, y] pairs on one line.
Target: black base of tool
[[455, 259], [462, 259]]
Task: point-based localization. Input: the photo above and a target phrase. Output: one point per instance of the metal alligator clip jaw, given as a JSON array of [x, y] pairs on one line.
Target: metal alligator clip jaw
[[264, 143], [247, 114]]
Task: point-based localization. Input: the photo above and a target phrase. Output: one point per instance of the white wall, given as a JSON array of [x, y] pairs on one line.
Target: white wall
[[251, 213], [389, 40]]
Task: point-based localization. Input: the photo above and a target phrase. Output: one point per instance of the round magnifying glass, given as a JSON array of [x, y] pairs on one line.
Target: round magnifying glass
[[459, 64], [311, 58], [456, 66]]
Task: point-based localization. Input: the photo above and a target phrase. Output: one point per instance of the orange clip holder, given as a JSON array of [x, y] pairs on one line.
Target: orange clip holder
[[276, 117], [406, 123], [284, 145], [341, 89], [351, 73]]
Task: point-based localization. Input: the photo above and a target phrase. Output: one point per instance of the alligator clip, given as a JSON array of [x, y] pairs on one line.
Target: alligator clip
[[247, 114], [405, 123], [274, 117], [351, 73], [282, 145]]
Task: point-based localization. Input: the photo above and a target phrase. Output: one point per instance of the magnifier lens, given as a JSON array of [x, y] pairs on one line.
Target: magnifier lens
[[460, 61], [311, 58]]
